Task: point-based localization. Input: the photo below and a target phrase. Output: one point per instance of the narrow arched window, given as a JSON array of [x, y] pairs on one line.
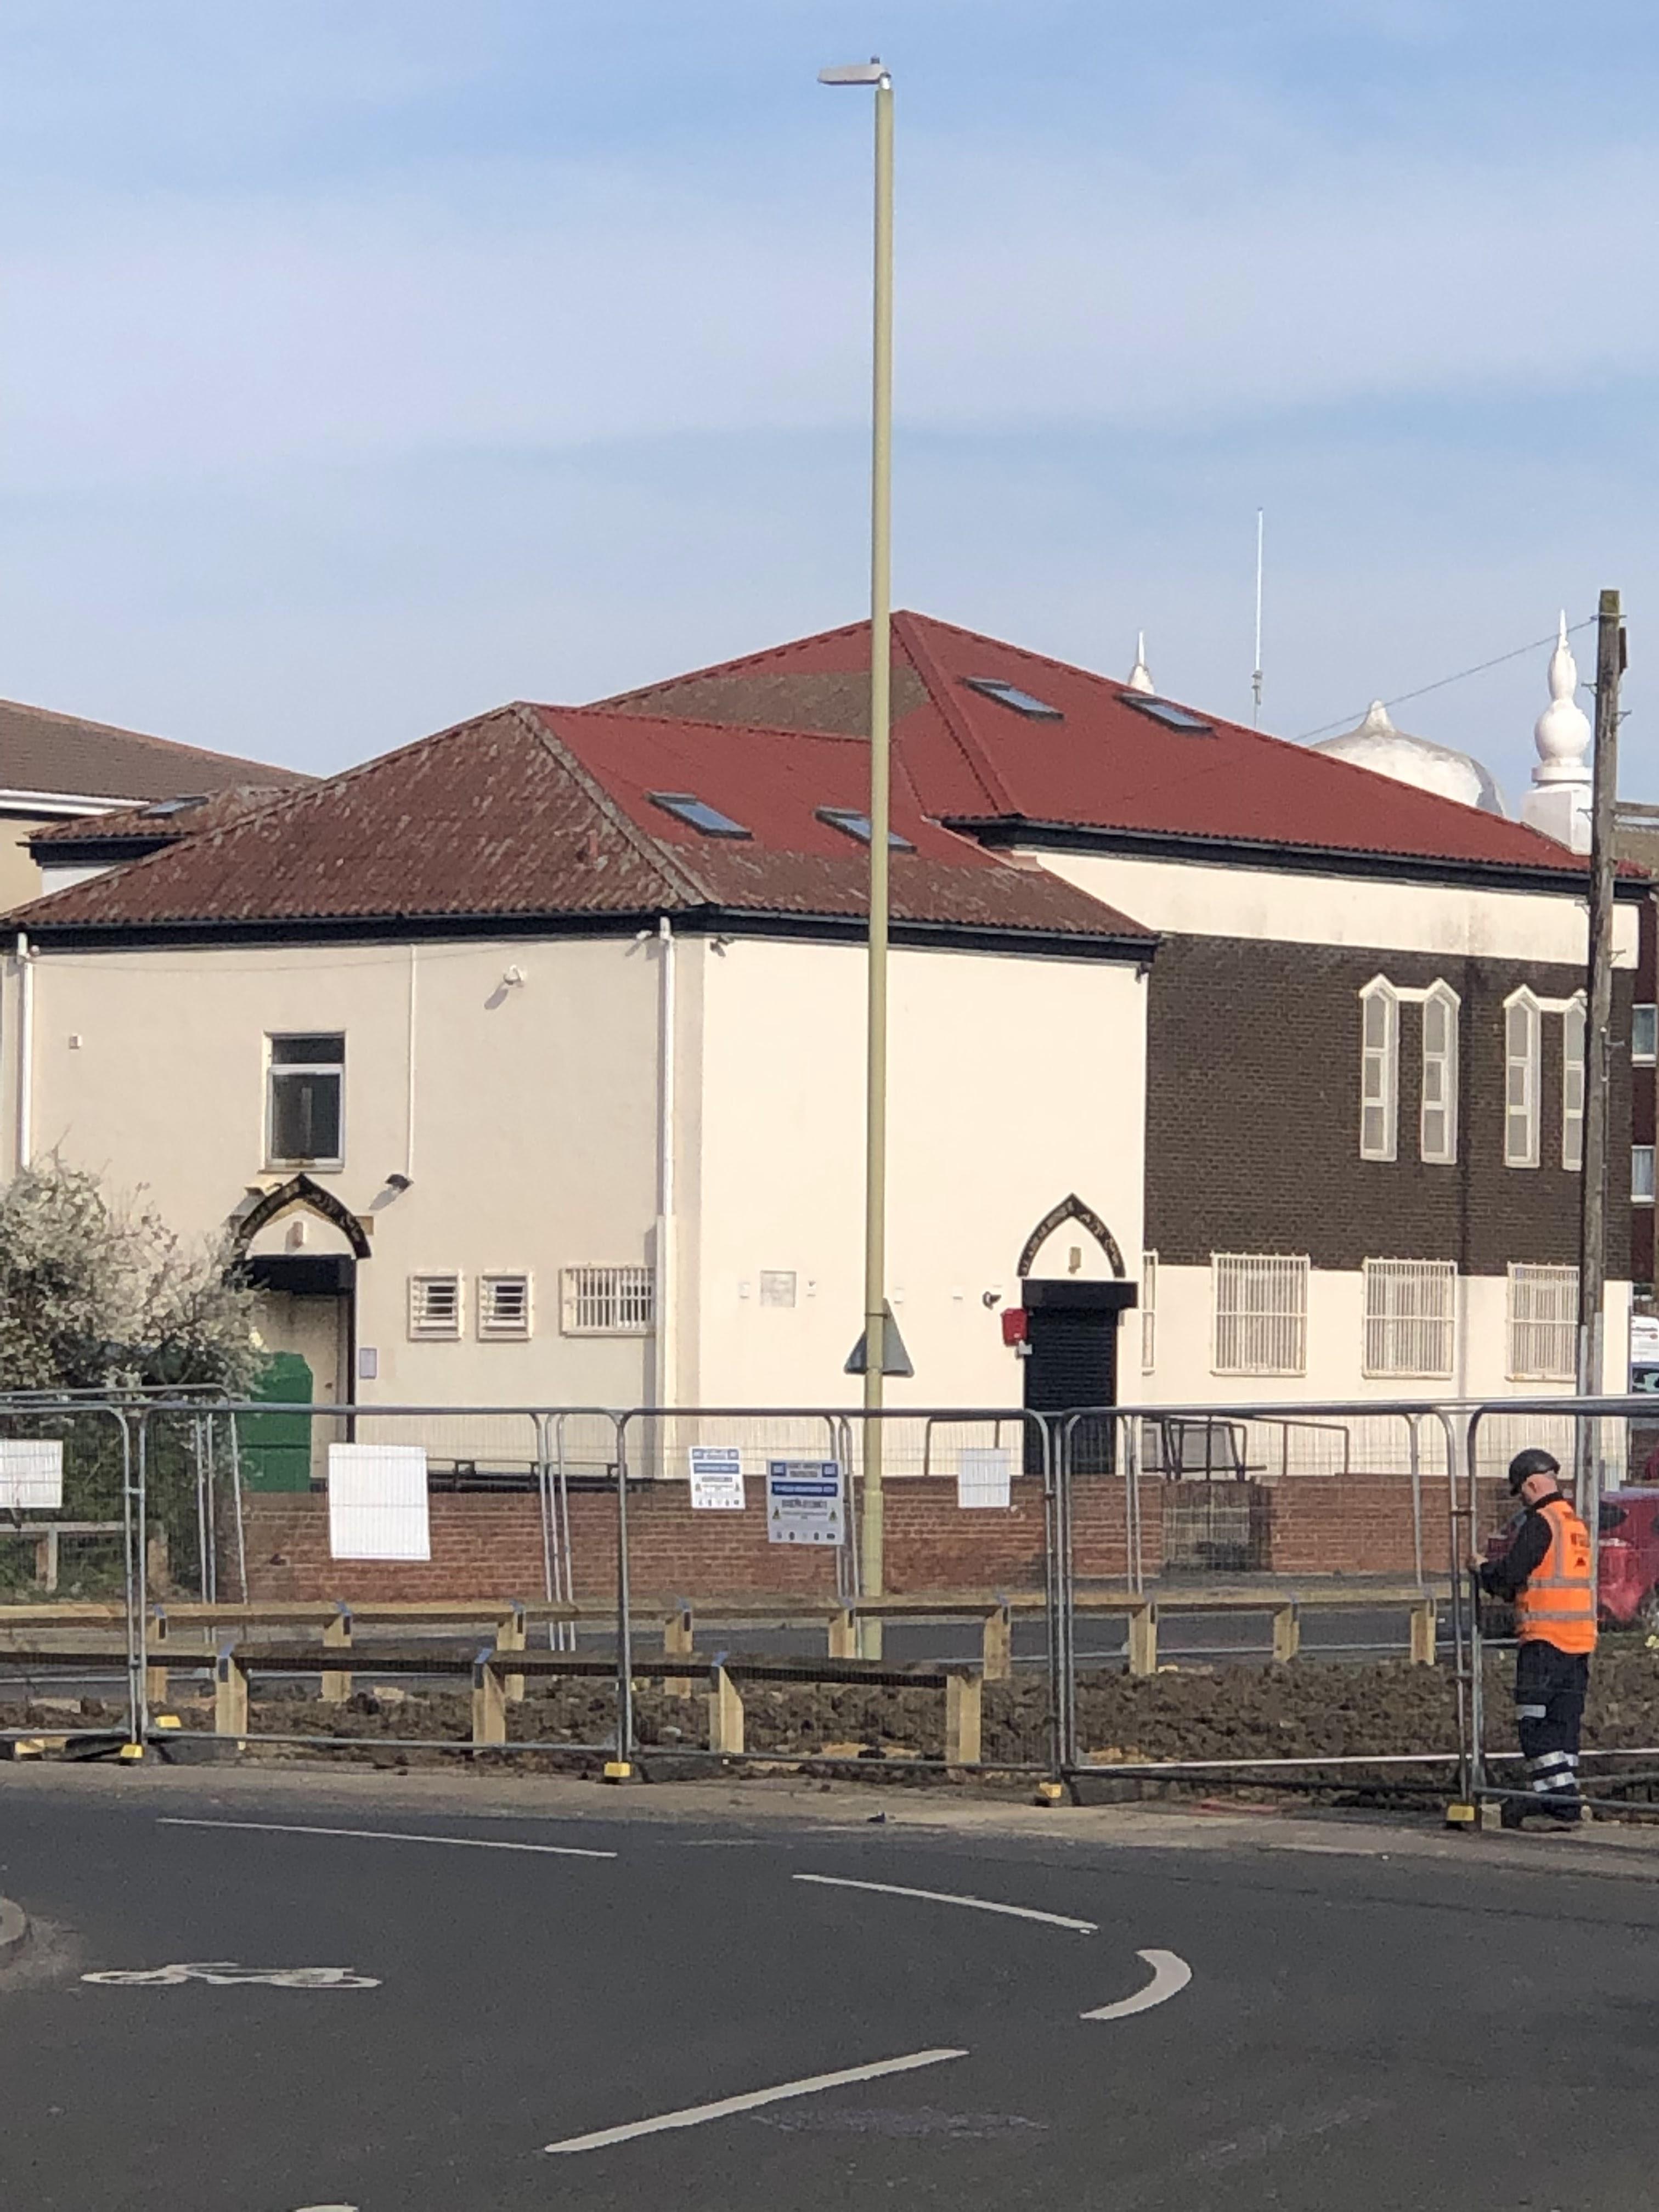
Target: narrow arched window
[[1521, 1026], [1379, 1070], [1438, 1141], [1572, 1086]]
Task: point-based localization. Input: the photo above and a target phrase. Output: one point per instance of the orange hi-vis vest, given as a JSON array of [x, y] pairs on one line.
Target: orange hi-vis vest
[[1557, 1603]]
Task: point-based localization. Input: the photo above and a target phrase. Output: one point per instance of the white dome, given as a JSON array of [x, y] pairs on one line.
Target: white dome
[[1377, 745]]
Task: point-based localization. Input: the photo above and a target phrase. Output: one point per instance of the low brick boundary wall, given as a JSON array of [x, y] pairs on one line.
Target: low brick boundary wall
[[492, 1545]]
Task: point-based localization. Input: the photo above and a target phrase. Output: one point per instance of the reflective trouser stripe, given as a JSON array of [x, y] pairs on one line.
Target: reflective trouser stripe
[[1532, 1712], [1552, 1772]]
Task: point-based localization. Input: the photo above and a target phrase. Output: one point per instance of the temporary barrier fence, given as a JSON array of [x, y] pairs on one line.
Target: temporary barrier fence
[[710, 1558], [1271, 1511], [1604, 1446]]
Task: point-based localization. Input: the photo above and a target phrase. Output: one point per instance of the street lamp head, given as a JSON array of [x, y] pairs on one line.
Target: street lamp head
[[870, 72]]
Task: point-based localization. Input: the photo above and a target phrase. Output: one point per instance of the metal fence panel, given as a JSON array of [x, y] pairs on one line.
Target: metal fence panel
[[1228, 1536]]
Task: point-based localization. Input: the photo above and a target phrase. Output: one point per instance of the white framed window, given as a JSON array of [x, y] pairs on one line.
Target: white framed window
[[1148, 1312], [1521, 1055], [1410, 1317], [1644, 1035], [1543, 1323], [1641, 1175], [1379, 1071], [1572, 1086], [305, 1100], [504, 1307], [1260, 1304], [436, 1306], [609, 1300], [1437, 1134]]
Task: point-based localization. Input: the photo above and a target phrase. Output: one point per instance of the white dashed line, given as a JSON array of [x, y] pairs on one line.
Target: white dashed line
[[388, 1836], [948, 1897], [693, 2115], [1170, 1975]]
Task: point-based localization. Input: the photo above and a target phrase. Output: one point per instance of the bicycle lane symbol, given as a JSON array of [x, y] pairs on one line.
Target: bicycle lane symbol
[[225, 1974]]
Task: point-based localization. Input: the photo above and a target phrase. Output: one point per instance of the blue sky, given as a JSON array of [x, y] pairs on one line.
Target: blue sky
[[366, 362]]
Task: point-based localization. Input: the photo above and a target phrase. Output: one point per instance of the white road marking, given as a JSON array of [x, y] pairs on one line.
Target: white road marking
[[949, 1897], [389, 1836], [694, 2115], [1170, 1975], [226, 1974]]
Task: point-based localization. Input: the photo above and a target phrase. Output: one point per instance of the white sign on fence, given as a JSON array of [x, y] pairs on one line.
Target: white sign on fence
[[984, 1473], [31, 1474], [377, 1502], [804, 1502], [716, 1479]]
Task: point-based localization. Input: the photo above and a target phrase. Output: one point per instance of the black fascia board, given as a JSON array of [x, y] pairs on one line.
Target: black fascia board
[[699, 921], [999, 832], [77, 852]]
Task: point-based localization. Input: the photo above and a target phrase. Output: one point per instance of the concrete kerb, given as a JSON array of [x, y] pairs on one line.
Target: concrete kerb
[[14, 1930]]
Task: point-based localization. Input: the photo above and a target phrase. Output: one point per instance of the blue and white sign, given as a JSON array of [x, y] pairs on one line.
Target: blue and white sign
[[804, 1502], [716, 1479]]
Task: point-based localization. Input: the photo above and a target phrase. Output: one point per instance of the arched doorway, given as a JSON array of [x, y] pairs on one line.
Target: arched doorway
[[1074, 1291], [300, 1247]]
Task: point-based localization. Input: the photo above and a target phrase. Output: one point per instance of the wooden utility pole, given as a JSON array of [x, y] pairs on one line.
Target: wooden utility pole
[[1598, 1057]]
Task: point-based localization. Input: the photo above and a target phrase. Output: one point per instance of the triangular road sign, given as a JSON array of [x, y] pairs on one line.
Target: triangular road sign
[[895, 1359]]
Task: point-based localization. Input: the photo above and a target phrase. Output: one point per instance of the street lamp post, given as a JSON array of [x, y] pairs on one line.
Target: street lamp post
[[871, 1543]]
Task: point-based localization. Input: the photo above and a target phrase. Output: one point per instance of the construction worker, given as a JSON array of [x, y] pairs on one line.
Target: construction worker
[[1548, 1575]]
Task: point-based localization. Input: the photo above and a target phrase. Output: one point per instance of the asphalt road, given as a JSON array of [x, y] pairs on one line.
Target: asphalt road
[[1366, 2033]]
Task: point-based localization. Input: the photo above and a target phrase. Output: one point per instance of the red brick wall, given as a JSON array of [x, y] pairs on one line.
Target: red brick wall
[[492, 1546]]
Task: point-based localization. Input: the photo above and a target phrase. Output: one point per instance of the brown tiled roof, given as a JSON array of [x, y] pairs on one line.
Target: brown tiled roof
[[44, 752], [158, 822], [1101, 762], [542, 812]]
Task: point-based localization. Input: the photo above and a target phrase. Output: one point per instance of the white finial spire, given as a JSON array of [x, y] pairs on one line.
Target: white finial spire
[[1558, 802], [1141, 676], [1376, 723]]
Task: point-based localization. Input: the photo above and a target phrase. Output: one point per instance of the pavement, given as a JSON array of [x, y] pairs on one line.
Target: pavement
[[318, 1990]]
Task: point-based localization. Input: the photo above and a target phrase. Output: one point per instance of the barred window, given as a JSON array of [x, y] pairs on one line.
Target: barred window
[[1261, 1308], [503, 1305], [1521, 1080], [1572, 1086], [1379, 1071], [1543, 1323], [435, 1306], [1438, 1136], [609, 1300], [1148, 1312], [1411, 1312]]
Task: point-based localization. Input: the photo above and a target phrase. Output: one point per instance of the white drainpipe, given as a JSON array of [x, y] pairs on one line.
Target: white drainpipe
[[665, 1240], [25, 1052]]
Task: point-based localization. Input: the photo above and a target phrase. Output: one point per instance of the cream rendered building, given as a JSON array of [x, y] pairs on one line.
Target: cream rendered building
[[519, 1084]]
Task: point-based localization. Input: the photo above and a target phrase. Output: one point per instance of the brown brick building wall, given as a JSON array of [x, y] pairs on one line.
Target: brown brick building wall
[[1253, 1114]]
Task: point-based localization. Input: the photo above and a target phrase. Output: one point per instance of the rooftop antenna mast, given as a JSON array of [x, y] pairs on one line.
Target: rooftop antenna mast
[[1255, 678]]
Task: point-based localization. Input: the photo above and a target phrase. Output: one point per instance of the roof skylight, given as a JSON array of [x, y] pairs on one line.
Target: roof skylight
[[1010, 695], [697, 814], [857, 825], [1166, 711]]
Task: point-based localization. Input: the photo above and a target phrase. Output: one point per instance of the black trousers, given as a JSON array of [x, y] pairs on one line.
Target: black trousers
[[1550, 1688]]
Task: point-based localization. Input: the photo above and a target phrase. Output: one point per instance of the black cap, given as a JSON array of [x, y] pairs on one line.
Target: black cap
[[1528, 1463]]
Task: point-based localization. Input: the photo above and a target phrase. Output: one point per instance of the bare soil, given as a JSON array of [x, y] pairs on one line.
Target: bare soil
[[1308, 1709]]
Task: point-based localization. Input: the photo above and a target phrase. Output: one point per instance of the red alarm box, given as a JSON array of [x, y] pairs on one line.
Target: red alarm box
[[1013, 1325]]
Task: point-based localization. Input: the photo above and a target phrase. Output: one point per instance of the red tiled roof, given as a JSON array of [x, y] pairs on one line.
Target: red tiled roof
[[542, 811], [1105, 765]]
